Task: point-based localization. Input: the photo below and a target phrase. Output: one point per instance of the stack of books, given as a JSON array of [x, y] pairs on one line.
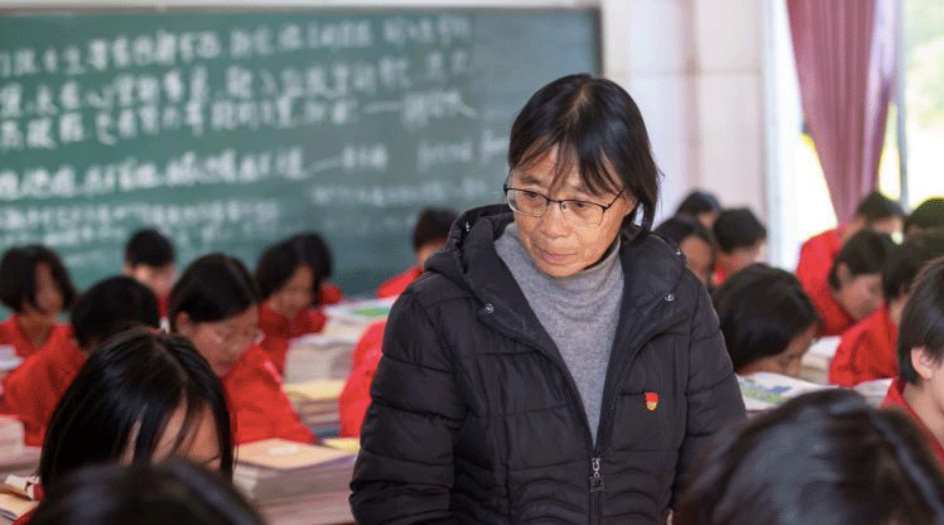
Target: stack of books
[[316, 402], [11, 437]]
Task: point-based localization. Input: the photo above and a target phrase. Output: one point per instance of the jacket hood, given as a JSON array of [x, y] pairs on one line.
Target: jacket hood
[[651, 266]]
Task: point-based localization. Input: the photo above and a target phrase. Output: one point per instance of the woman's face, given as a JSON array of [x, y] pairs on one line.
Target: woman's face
[[296, 295], [49, 297], [222, 342], [788, 362], [860, 295], [560, 248], [200, 446]]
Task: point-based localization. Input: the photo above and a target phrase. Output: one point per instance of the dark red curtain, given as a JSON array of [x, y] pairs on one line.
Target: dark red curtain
[[845, 53]]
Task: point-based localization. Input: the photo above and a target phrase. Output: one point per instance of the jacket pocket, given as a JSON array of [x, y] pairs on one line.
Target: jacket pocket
[[649, 421]]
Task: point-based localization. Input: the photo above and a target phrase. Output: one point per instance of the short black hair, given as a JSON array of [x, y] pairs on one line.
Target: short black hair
[[149, 247], [875, 207], [760, 310], [112, 306], [596, 127], [213, 288], [823, 457], [929, 215], [277, 264], [175, 492], [18, 269], [432, 226], [904, 262], [317, 251], [698, 202], [864, 253], [738, 228], [922, 321], [681, 227], [123, 398]]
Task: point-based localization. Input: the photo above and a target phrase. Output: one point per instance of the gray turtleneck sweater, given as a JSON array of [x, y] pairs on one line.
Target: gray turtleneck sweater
[[579, 312]]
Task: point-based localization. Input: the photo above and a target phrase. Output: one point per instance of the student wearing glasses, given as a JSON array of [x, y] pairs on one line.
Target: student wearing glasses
[[215, 305], [556, 363]]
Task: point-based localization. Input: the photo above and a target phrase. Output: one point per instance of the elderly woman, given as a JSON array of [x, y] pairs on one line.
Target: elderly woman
[[556, 363]]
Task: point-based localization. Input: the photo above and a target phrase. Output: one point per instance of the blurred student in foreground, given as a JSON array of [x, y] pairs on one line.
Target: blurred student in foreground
[[867, 350], [875, 212], [150, 259], [174, 492], [919, 387], [741, 238], [853, 289], [32, 391], [825, 458], [696, 244], [767, 320], [702, 206], [35, 285], [429, 236]]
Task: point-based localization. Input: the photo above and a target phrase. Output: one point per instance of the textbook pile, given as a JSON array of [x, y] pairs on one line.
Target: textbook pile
[[316, 401]]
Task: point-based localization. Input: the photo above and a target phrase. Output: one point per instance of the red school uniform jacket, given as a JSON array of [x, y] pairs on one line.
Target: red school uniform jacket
[[258, 406], [896, 398], [396, 285], [330, 294], [866, 351], [817, 255], [834, 319], [279, 330], [355, 398], [11, 333], [32, 391]]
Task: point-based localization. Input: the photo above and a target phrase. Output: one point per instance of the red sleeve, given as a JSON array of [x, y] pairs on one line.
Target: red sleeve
[[330, 294], [397, 285], [816, 256], [276, 349], [842, 369], [260, 407], [355, 398]]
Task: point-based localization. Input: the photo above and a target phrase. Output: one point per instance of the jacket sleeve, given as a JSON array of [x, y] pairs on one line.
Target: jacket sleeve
[[714, 398], [404, 472]]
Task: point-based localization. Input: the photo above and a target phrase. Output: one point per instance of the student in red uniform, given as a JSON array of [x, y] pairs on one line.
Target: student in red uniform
[[867, 350], [142, 397], [919, 387], [825, 458], [36, 286], [215, 306], [875, 212], [767, 320], [287, 283], [429, 236], [317, 252], [853, 290], [32, 391], [702, 206], [741, 238], [150, 258], [355, 398], [929, 215], [696, 244]]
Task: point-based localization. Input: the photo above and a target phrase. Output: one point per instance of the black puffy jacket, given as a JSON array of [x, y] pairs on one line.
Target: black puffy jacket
[[476, 419]]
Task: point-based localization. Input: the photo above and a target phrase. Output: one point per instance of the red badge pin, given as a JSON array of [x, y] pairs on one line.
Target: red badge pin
[[652, 400]]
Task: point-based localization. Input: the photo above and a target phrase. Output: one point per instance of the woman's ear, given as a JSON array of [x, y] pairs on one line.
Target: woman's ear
[[183, 325], [843, 273], [923, 362]]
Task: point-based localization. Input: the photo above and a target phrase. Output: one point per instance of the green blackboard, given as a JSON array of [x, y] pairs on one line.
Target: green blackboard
[[231, 130]]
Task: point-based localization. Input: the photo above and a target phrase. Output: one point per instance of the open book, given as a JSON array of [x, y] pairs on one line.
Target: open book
[[765, 390], [275, 469]]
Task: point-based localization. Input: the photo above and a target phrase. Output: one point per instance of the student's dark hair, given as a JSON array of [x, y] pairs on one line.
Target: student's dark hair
[[110, 307], [213, 288], [875, 207], [761, 309], [595, 127], [922, 321], [904, 262], [681, 227], [123, 398], [821, 458], [432, 225], [317, 251], [738, 228], [929, 215], [698, 202], [18, 269], [277, 264], [174, 492], [864, 253], [149, 247]]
